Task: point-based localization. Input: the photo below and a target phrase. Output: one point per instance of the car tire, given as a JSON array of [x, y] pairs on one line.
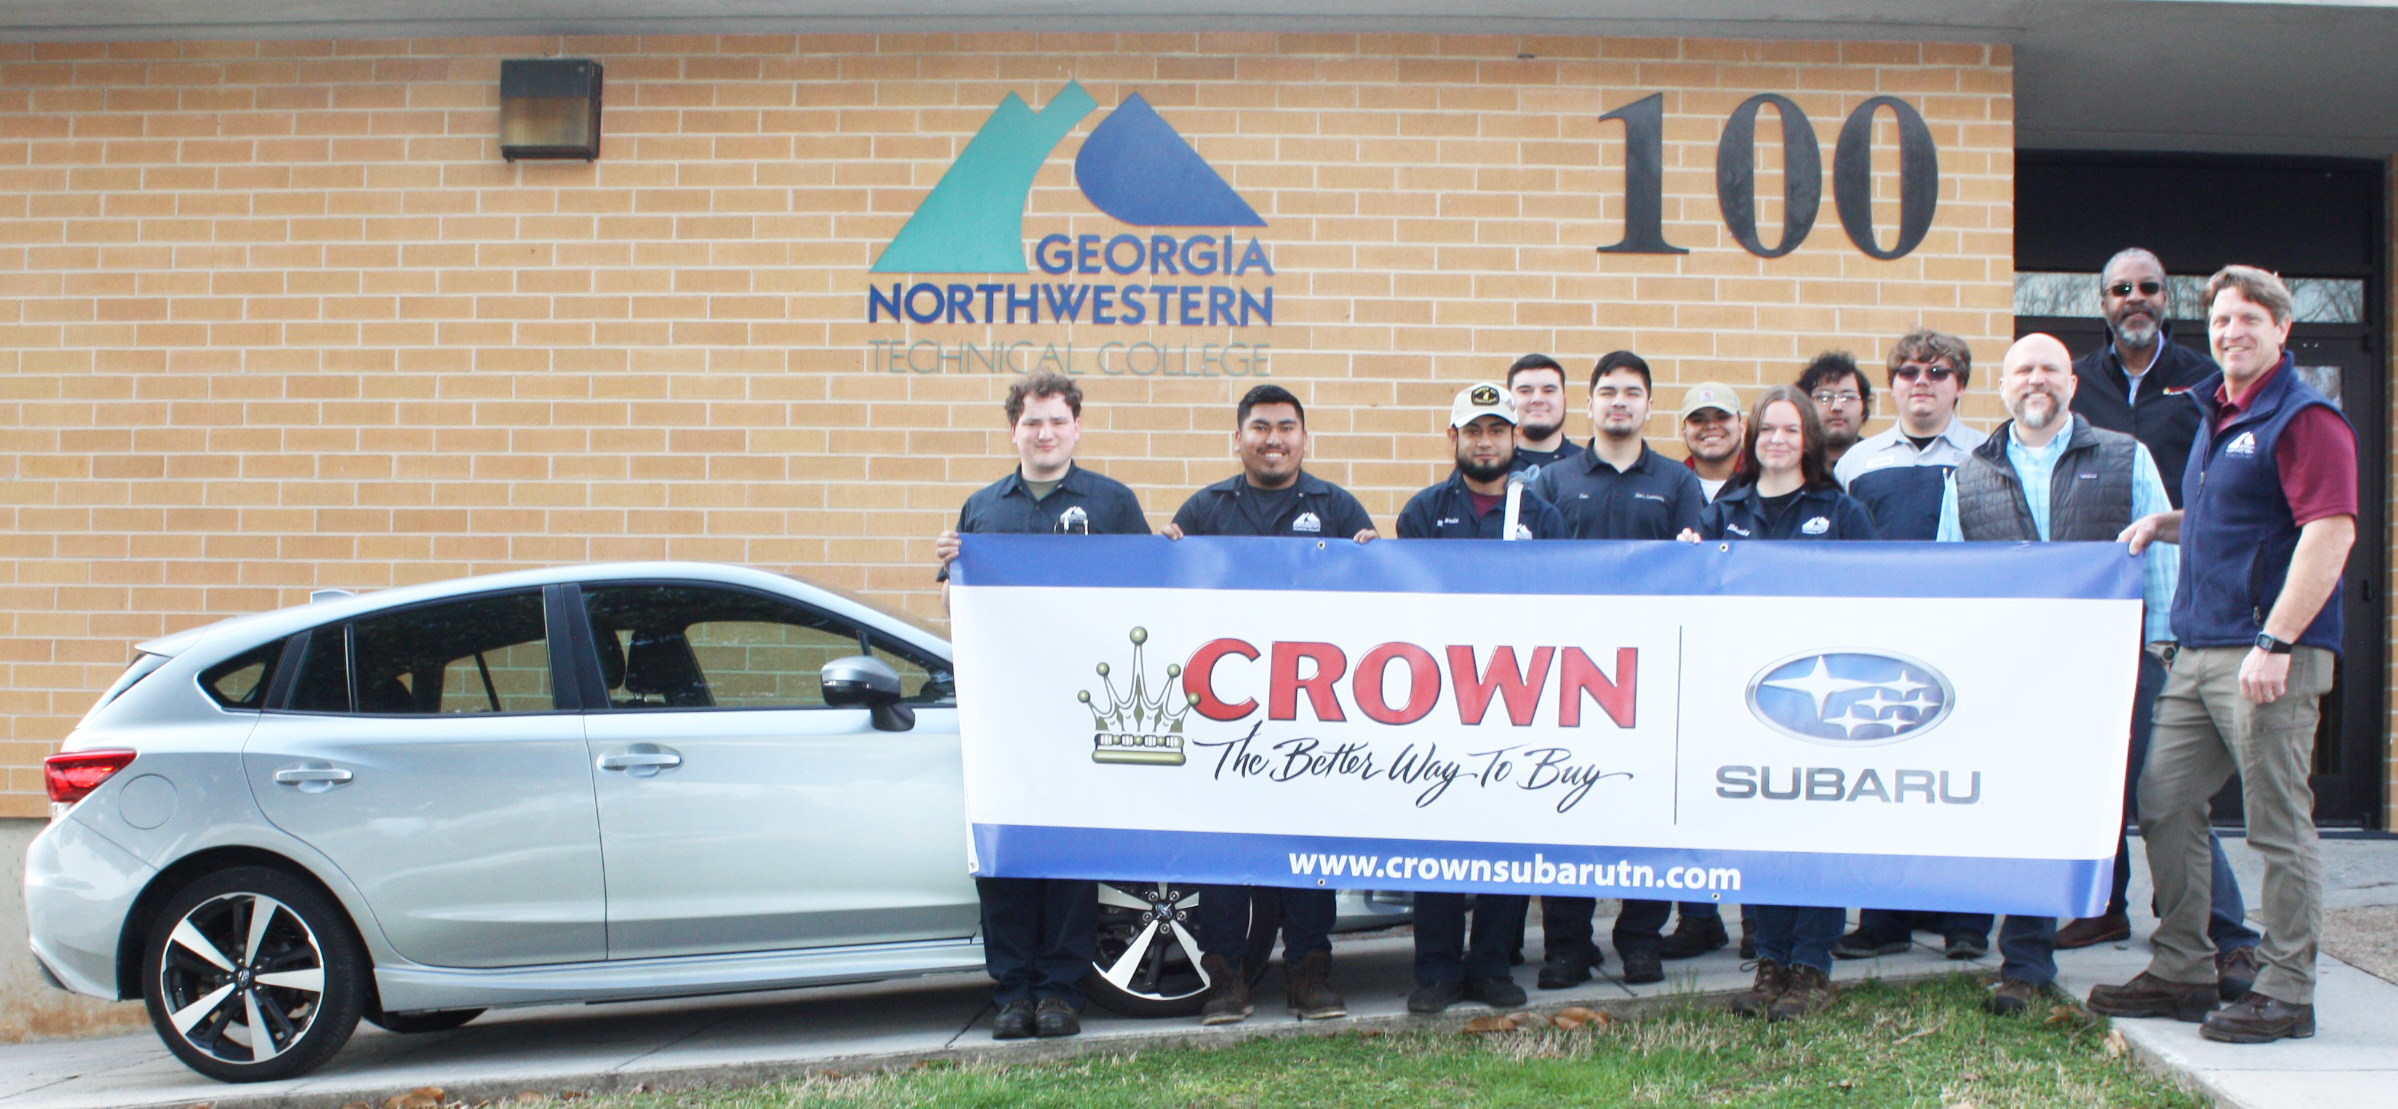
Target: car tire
[[413, 1023], [242, 997], [1148, 964]]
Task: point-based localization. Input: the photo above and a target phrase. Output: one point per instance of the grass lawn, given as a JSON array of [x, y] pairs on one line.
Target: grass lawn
[[1921, 1044]]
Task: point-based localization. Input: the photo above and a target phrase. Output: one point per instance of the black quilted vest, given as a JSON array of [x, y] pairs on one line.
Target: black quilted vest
[[2089, 494]]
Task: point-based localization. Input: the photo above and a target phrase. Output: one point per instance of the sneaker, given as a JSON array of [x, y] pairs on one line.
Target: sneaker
[[1642, 966], [1015, 1021], [1862, 944], [2150, 996], [1968, 945], [2257, 1019], [1054, 1017], [1309, 986], [2013, 997], [1772, 980], [1435, 997], [1227, 992], [1748, 938], [1498, 993], [1810, 993], [1693, 938], [2235, 972], [2090, 931], [1566, 969]]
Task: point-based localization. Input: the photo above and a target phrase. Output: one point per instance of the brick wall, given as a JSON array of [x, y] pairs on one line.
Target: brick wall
[[278, 316]]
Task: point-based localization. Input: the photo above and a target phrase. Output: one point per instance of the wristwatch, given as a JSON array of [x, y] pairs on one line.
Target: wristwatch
[[2271, 646]]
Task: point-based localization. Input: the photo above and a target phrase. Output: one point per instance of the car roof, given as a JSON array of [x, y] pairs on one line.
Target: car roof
[[244, 631]]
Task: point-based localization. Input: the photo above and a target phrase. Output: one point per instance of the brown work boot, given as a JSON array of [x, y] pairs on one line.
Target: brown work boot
[[1772, 980], [1310, 987], [1810, 993], [2091, 931], [2151, 996], [2257, 1019], [2235, 972], [2013, 997], [1227, 992]]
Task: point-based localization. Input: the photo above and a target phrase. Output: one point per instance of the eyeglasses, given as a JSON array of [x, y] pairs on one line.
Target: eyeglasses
[[1830, 397], [1934, 374], [2124, 288]]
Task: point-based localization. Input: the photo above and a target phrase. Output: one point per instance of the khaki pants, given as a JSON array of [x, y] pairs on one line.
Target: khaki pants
[[2205, 731]]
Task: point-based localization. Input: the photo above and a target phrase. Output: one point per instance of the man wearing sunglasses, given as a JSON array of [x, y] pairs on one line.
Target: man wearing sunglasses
[[1897, 474], [2138, 383]]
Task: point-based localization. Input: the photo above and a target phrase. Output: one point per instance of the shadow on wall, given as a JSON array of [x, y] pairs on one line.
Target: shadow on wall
[[31, 1009]]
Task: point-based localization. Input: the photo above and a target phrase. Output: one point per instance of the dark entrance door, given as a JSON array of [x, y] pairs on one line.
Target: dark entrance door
[[2320, 224]]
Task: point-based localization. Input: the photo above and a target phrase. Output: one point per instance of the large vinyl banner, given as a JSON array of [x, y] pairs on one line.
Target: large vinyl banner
[[1901, 725]]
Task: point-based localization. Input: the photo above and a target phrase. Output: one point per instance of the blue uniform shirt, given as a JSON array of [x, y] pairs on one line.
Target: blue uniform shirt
[[1654, 499], [1446, 511], [1319, 510], [1085, 502]]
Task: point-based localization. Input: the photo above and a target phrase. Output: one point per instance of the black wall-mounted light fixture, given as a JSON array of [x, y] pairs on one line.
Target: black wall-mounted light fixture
[[550, 108]]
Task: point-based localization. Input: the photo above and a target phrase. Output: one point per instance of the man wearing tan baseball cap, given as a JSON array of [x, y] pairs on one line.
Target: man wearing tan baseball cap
[[1712, 428]]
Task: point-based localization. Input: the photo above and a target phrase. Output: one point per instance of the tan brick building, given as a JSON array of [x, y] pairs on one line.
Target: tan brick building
[[278, 315]]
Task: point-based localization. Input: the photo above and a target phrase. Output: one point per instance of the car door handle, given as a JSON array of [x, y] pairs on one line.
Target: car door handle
[[642, 760], [313, 777]]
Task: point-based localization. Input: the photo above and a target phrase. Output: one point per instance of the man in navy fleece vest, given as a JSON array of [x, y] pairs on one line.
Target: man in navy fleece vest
[[2268, 515]]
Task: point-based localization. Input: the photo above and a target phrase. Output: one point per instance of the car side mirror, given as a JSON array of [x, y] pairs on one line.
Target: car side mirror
[[861, 680]]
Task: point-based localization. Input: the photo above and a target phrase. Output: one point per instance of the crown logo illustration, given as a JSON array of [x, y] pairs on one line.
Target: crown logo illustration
[[1136, 726]]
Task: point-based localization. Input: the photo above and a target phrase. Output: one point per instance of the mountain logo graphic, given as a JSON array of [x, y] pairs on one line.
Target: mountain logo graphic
[[1134, 167]]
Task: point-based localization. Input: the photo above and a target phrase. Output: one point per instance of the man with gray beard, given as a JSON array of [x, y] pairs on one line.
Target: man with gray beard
[[2048, 475], [2138, 383]]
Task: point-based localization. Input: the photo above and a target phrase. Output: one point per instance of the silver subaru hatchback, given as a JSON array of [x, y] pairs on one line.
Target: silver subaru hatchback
[[577, 784]]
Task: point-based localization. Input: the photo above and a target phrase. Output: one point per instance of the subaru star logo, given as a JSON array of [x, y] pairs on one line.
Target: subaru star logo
[[1850, 698]]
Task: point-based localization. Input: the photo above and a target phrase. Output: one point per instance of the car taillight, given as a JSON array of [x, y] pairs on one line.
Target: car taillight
[[73, 775]]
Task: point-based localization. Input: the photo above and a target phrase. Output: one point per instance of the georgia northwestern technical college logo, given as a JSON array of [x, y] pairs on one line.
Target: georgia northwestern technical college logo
[[1850, 698], [1134, 167]]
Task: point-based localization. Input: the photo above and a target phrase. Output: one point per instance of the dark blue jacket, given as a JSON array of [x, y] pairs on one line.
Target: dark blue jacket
[[1322, 510], [2164, 418], [1655, 499], [1531, 463], [1823, 512], [1446, 511], [1085, 502], [1904, 501], [2237, 532]]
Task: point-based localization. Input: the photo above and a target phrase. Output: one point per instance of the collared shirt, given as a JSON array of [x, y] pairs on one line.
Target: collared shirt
[[1530, 462], [2162, 416], [2036, 467], [1085, 502], [1893, 448], [1446, 511], [1317, 510], [1654, 499]]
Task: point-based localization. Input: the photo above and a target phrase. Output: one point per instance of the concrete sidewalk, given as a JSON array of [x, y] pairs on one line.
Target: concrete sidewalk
[[2352, 1063]]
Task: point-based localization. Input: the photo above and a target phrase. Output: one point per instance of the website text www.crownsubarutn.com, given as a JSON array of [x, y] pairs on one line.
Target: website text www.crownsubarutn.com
[[1538, 871]]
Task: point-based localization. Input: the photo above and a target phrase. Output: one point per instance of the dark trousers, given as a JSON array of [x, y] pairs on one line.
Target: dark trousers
[[1565, 925], [1039, 936], [1797, 935], [1224, 922], [1441, 950], [2227, 922], [2027, 949], [1892, 925], [1709, 910]]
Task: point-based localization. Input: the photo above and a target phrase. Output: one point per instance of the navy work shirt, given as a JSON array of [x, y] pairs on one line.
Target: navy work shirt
[[1822, 512], [1316, 509], [1085, 502], [1446, 511], [1655, 499], [1531, 462]]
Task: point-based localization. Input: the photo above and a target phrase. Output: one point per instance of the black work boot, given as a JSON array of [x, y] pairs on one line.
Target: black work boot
[[1227, 992], [1309, 985], [1015, 1021], [1694, 937], [1567, 968]]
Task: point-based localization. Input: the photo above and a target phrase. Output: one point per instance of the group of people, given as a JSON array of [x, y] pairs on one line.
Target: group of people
[[2242, 626]]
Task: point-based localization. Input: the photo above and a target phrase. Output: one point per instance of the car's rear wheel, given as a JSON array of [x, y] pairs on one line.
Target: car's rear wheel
[[1148, 964], [251, 975], [409, 1023]]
